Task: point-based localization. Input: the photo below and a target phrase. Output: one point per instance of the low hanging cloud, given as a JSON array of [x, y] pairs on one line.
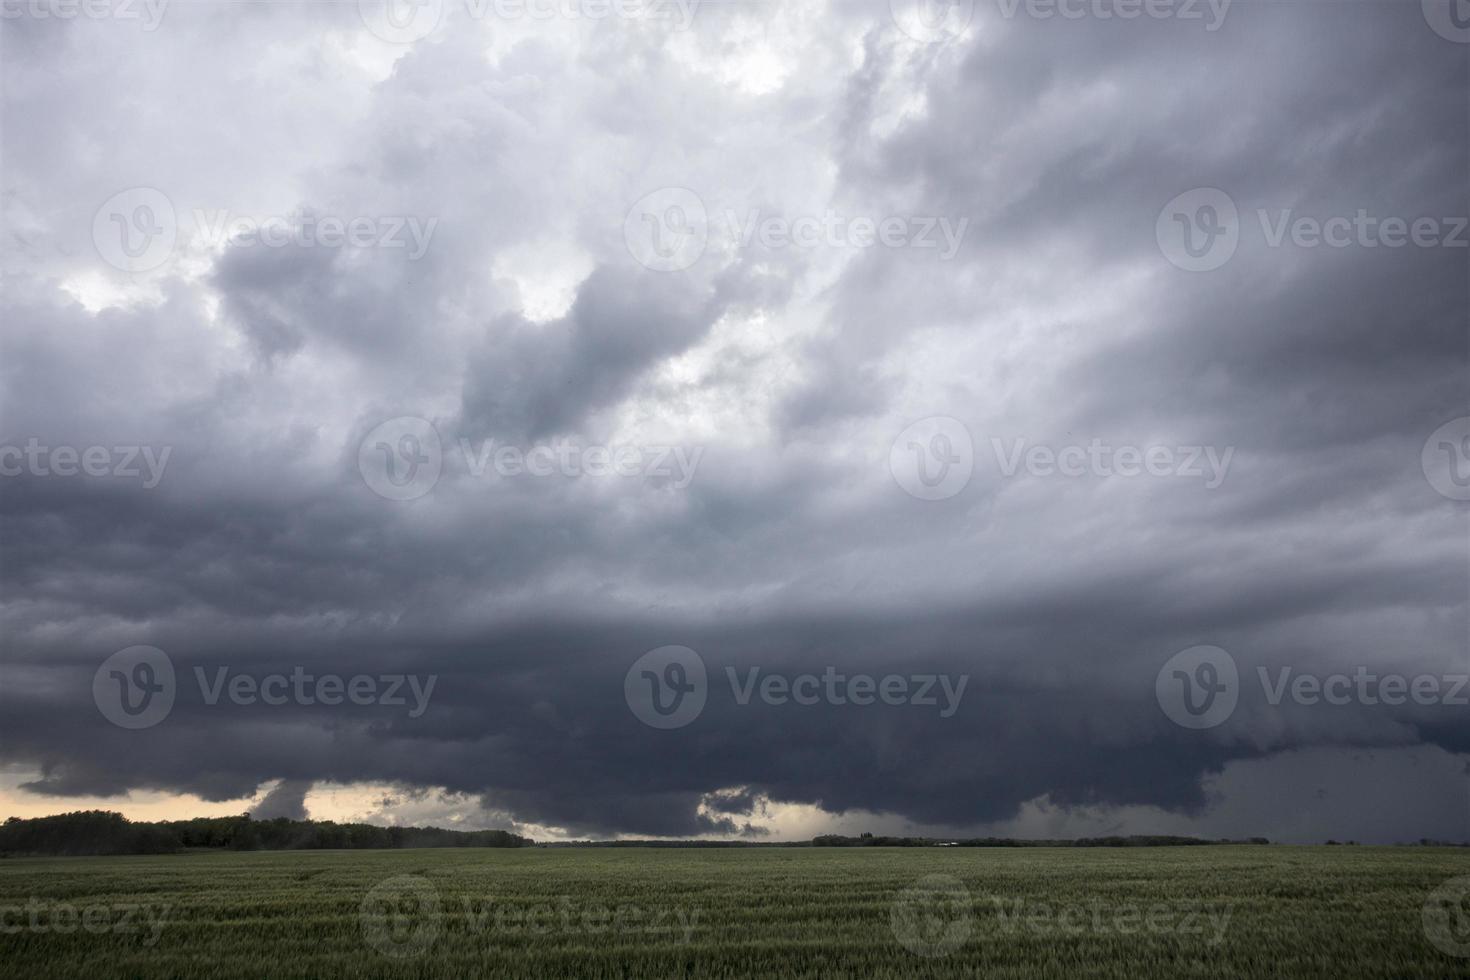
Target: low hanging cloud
[[286, 799]]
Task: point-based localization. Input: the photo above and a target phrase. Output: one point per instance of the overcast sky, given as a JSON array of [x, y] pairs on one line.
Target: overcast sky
[[492, 346]]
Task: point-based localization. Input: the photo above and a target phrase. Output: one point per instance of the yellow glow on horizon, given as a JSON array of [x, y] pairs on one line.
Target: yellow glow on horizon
[[135, 805]]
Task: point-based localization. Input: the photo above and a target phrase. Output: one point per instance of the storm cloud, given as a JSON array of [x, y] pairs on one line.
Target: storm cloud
[[666, 380]]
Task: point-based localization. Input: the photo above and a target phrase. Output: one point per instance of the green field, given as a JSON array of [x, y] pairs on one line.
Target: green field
[[1238, 911]]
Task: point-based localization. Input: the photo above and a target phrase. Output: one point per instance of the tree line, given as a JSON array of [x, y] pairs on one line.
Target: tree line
[[106, 832]]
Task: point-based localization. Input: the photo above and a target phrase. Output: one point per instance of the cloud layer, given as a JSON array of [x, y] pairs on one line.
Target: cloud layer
[[515, 152]]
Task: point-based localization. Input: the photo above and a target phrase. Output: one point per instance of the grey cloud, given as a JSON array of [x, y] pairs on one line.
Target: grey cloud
[[286, 799], [529, 381], [793, 548]]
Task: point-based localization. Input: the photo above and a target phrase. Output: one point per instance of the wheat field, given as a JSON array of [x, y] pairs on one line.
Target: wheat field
[[1208, 911]]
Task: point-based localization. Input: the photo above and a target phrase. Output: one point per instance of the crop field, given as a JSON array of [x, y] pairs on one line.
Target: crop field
[[1238, 911]]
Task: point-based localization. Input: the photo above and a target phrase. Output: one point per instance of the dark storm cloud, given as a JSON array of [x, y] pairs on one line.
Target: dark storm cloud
[[534, 719], [793, 549]]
